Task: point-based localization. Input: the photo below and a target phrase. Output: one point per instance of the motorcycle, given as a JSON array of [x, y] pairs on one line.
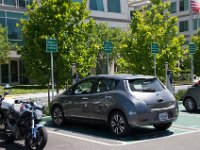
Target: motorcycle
[[19, 120]]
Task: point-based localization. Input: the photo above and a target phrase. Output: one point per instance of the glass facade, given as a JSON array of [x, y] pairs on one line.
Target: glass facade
[[10, 19], [14, 70], [10, 2], [4, 73], [183, 26], [13, 31], [114, 6], [96, 5], [15, 3], [173, 7], [77, 1]]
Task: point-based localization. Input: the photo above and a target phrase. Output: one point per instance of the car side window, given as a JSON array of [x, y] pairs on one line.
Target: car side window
[[106, 85], [84, 87]]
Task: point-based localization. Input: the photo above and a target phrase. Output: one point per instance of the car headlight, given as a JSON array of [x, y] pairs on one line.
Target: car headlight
[[38, 114]]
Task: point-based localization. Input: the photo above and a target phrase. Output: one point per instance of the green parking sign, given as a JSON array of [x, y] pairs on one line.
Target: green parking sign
[[154, 48], [192, 48], [108, 47], [51, 45]]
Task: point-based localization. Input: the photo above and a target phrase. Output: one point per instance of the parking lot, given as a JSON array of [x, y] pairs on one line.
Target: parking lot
[[183, 135]]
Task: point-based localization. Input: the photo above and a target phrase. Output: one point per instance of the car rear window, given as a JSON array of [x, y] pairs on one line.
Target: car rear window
[[145, 85]]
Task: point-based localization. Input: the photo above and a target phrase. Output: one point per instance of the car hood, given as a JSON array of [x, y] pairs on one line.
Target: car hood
[[158, 99]]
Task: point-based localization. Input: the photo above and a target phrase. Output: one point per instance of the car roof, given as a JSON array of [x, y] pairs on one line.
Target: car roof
[[122, 76]]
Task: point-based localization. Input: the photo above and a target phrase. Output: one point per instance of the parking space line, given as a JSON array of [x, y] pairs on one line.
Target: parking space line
[[122, 143], [142, 141], [185, 128], [191, 115], [88, 140]]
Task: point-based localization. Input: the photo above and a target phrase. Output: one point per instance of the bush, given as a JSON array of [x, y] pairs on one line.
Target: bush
[[179, 94]]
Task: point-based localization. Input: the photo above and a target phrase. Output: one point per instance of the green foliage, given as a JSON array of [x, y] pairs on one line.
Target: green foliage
[[179, 94], [5, 46], [196, 60], [153, 24], [65, 21], [102, 32]]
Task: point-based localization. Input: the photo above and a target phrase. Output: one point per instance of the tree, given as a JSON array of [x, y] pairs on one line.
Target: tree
[[102, 33], [152, 24], [65, 21], [196, 60], [5, 46]]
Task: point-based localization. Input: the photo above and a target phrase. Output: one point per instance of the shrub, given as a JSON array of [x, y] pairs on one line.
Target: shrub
[[179, 94]]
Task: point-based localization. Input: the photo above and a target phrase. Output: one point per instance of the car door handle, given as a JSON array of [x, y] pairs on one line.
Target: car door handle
[[84, 98], [108, 97]]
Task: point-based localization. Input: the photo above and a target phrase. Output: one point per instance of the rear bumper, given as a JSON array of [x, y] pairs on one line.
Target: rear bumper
[[154, 116]]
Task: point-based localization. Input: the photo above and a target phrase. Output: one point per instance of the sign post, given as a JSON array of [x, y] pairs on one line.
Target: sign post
[[154, 50], [108, 49], [52, 46], [192, 50]]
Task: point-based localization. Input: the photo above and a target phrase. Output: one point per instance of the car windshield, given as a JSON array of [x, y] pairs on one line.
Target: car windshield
[[145, 85]]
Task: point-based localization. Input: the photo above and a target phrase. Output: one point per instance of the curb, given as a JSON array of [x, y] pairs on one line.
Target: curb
[[46, 118]]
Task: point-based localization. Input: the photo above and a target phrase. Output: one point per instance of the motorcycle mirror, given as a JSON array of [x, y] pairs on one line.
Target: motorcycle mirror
[[5, 93], [17, 101], [7, 86]]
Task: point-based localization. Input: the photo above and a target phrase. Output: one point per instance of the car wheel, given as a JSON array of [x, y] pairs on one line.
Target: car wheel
[[190, 104], [58, 116], [118, 124], [162, 126]]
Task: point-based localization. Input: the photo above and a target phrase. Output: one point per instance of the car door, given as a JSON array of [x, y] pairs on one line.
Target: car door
[[75, 105], [103, 100]]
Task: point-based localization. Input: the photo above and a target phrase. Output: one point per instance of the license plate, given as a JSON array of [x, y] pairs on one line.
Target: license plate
[[163, 116]]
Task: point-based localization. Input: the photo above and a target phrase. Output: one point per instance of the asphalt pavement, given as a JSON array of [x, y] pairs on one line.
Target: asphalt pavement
[[183, 135]]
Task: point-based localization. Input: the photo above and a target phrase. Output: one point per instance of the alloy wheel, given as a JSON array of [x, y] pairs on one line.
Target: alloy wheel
[[57, 115], [190, 104], [118, 124]]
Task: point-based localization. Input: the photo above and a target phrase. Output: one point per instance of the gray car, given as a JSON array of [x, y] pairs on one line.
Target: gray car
[[122, 101], [191, 99]]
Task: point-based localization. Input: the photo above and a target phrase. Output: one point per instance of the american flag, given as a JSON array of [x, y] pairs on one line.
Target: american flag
[[195, 6]]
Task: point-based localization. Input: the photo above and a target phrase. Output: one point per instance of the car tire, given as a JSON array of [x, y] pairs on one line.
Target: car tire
[[118, 124], [162, 126], [58, 115], [190, 104]]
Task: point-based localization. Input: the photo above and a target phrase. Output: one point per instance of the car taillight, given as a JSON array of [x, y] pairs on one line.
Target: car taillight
[[196, 83]]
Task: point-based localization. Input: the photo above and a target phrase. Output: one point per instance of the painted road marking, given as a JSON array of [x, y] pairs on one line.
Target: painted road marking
[[191, 115], [187, 130], [84, 139]]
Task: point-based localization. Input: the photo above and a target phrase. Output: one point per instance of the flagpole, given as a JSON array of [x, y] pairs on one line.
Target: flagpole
[[191, 29]]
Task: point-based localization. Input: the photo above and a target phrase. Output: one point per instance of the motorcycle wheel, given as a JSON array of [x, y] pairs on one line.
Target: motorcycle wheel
[[9, 139], [39, 143]]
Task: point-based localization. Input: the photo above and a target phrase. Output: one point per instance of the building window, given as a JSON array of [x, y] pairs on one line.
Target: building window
[[10, 2], [194, 22], [114, 6], [14, 70], [22, 3], [183, 5], [183, 26], [96, 5], [173, 7], [3, 22], [131, 13], [13, 31], [77, 1]]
